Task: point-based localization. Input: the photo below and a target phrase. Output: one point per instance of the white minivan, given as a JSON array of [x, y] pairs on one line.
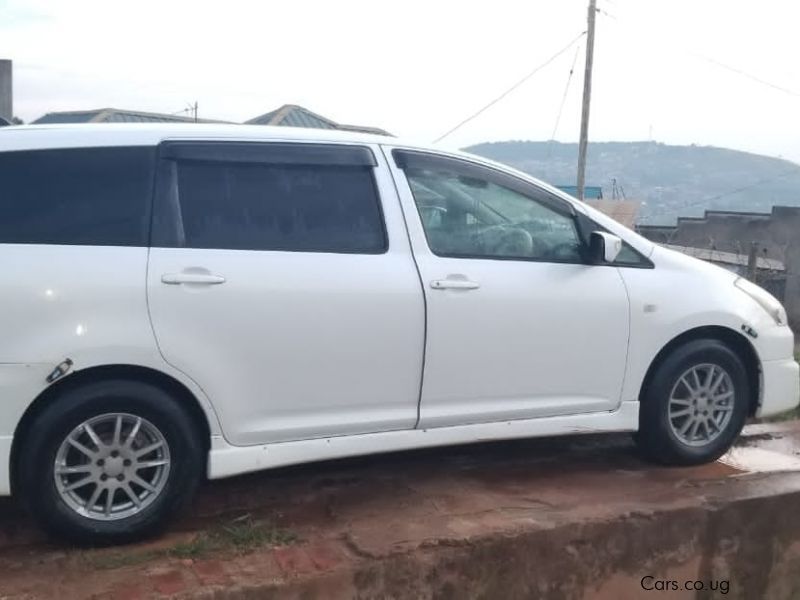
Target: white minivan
[[181, 301]]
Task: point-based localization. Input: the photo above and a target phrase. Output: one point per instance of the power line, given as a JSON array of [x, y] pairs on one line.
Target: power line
[[748, 75], [563, 100], [743, 188], [511, 89], [715, 62], [749, 186]]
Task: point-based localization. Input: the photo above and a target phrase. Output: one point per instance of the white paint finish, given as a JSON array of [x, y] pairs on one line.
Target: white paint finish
[[225, 460], [318, 345], [61, 299], [612, 245], [517, 339], [536, 339], [688, 293], [297, 345], [33, 137], [5, 464], [19, 385], [84, 303], [781, 386]]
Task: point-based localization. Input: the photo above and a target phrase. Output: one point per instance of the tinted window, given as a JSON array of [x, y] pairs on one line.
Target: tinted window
[[312, 208], [467, 215], [87, 196]]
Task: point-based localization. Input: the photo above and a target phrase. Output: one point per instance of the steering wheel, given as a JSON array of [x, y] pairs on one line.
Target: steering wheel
[[505, 240]]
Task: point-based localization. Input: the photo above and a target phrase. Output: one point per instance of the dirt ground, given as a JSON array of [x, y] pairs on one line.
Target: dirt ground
[[432, 523]]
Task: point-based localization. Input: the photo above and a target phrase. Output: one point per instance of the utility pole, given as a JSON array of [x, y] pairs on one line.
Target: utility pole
[[587, 96]]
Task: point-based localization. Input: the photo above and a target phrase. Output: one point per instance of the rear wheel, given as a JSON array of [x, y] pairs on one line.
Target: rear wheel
[[695, 405], [109, 462]]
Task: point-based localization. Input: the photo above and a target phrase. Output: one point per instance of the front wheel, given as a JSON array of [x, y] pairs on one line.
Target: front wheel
[[695, 405], [109, 462]]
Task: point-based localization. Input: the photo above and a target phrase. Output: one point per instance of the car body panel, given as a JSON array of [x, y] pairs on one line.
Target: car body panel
[[508, 349], [90, 304], [226, 460], [298, 345]]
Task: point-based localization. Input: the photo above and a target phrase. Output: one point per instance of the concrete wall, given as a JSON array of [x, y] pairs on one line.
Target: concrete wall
[[777, 235], [6, 90]]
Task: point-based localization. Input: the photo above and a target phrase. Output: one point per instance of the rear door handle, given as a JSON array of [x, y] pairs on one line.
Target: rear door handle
[[201, 278], [454, 284]]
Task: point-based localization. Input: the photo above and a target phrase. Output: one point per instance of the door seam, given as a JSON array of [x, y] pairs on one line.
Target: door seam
[[421, 286]]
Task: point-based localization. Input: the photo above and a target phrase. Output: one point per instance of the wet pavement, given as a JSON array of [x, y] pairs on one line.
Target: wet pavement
[[430, 523]]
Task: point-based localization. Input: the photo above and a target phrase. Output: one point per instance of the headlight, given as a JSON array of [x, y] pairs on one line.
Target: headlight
[[767, 301]]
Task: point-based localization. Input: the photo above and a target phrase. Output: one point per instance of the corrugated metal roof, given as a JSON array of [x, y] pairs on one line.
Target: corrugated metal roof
[[292, 115], [82, 116], [114, 115], [288, 115], [264, 119]]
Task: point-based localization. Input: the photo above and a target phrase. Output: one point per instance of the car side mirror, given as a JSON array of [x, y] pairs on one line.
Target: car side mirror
[[604, 247]]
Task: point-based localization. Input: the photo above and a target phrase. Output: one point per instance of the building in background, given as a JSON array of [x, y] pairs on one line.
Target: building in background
[[622, 211], [292, 115], [288, 115], [114, 115], [590, 192]]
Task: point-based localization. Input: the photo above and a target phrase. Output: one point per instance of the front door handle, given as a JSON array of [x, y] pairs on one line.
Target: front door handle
[[201, 278], [454, 284]]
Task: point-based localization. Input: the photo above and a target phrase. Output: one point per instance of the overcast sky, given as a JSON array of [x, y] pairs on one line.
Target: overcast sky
[[418, 67]]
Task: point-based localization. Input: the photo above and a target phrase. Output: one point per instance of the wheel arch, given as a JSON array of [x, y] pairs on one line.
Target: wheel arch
[[169, 384], [733, 339]]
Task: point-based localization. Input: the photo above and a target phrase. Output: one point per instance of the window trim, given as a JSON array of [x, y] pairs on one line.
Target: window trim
[[414, 158], [405, 159], [171, 153], [274, 153]]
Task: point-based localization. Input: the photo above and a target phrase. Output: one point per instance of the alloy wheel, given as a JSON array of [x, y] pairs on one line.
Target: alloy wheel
[[112, 466]]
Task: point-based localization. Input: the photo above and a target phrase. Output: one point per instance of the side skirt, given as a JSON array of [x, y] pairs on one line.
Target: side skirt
[[225, 460]]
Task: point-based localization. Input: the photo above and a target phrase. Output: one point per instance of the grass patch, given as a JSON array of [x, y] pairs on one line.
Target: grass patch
[[239, 536]]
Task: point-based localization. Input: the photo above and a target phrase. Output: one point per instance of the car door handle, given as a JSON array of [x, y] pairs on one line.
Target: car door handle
[[201, 278], [454, 284]]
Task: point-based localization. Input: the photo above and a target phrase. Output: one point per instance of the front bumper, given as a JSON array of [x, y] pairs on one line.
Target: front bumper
[[780, 380]]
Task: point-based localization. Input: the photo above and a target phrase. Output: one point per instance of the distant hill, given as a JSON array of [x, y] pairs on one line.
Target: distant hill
[[671, 181]]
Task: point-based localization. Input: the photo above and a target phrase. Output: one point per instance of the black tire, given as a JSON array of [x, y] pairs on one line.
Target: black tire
[[656, 437], [36, 460]]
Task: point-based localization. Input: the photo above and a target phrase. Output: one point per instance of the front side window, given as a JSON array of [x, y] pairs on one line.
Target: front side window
[[465, 214], [76, 196], [291, 207]]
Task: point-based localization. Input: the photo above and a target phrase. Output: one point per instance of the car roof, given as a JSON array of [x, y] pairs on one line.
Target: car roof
[[31, 137]]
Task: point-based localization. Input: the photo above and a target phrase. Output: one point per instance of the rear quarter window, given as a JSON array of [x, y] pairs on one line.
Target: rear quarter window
[[76, 196]]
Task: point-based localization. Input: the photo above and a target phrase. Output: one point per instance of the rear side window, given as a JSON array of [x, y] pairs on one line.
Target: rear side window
[[84, 196], [272, 206]]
